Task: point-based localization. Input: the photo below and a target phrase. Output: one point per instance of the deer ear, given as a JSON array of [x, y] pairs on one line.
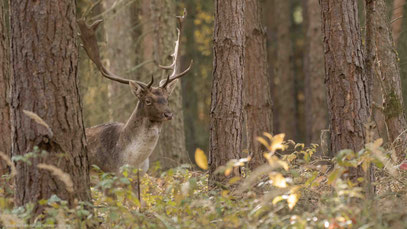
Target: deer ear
[[137, 89]]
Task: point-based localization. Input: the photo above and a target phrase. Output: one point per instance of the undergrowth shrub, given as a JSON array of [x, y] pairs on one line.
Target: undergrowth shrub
[[295, 190]]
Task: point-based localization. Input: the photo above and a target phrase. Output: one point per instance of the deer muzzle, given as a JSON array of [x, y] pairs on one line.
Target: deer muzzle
[[168, 115]]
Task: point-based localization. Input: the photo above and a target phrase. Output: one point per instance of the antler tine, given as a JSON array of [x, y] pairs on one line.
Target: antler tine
[[179, 75], [88, 38], [166, 82], [168, 67], [151, 82], [176, 49], [181, 18], [175, 55]]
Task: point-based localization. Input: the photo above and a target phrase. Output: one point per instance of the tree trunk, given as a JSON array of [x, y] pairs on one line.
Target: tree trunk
[[44, 61], [315, 94], [376, 93], [227, 87], [171, 149], [121, 55], [397, 19], [271, 22], [5, 128], [284, 81], [257, 98], [386, 73], [348, 91]]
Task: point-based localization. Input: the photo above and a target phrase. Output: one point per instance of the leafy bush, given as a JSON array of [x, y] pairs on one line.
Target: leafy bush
[[295, 190]]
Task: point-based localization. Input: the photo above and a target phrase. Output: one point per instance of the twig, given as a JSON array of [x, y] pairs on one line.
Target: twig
[[396, 19]]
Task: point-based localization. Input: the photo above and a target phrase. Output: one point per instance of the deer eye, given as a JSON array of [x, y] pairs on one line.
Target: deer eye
[[148, 102]]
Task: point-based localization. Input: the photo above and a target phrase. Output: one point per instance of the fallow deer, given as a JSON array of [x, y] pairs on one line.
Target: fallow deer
[[112, 145]]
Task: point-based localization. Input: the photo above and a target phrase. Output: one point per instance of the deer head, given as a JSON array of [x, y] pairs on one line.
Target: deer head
[[153, 101]]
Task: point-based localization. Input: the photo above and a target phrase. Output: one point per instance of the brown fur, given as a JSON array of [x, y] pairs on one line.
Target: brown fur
[[102, 141], [113, 145]]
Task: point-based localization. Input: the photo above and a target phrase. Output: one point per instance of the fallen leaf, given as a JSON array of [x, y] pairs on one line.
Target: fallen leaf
[[201, 159]]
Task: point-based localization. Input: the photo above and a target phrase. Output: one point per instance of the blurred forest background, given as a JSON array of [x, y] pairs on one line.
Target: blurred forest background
[[139, 34], [266, 74]]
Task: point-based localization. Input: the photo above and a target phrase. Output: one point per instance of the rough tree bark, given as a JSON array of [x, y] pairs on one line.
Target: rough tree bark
[[386, 73], [227, 87], [271, 25], [171, 149], [316, 114], [348, 91], [5, 128], [284, 81], [376, 94], [44, 61], [257, 98], [397, 19]]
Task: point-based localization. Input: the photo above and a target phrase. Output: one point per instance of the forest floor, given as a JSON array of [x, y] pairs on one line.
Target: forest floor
[[296, 190]]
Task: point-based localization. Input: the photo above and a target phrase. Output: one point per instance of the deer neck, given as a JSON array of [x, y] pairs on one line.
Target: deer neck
[[139, 123], [138, 138]]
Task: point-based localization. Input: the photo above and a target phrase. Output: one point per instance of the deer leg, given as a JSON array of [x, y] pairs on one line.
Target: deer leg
[[138, 186]]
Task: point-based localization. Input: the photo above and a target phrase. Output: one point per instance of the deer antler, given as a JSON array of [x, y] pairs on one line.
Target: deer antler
[[88, 37], [175, 66]]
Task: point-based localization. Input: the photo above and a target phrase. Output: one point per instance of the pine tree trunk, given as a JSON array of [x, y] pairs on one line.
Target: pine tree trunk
[[315, 94], [347, 85], [171, 149], [227, 87], [284, 81], [271, 25], [44, 61], [5, 128], [257, 98], [397, 19], [386, 73], [375, 87]]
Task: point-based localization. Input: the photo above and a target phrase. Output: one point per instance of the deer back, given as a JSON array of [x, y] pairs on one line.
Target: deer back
[[102, 142]]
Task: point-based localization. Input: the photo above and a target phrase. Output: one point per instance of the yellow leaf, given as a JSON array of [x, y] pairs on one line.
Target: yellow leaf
[[234, 180], [228, 171], [263, 141], [277, 142], [270, 158], [292, 200], [294, 189], [299, 145], [225, 193], [378, 143], [277, 199], [267, 156], [291, 157], [283, 164], [268, 135], [278, 180], [200, 159]]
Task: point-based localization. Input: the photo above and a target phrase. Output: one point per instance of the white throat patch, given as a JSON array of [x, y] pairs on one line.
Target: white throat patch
[[141, 147]]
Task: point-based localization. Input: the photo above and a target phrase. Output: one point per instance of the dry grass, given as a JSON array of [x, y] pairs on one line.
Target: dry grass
[[9, 163], [64, 177]]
